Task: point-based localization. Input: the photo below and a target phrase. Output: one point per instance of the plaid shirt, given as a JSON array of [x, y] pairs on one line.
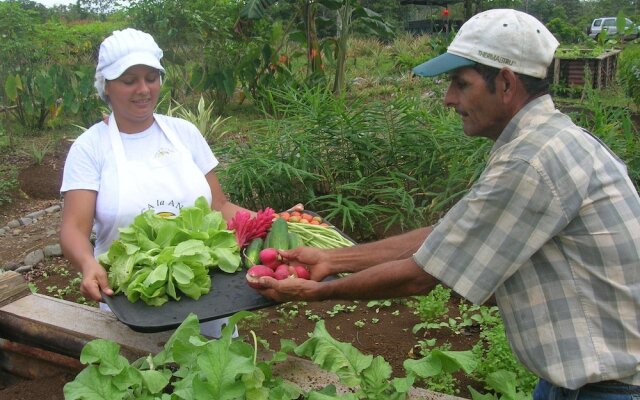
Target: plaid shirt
[[552, 227]]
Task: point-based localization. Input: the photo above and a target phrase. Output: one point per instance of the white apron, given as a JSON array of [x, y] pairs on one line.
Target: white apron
[[165, 184]]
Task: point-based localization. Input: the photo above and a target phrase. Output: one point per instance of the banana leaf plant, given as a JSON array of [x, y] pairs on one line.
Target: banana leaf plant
[[348, 11]]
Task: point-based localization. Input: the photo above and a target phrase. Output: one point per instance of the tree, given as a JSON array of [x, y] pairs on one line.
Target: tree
[[347, 12], [98, 7]]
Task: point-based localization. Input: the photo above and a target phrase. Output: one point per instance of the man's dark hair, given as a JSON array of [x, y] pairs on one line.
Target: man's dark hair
[[534, 86]]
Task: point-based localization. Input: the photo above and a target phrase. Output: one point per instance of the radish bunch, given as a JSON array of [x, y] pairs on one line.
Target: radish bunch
[[273, 266]]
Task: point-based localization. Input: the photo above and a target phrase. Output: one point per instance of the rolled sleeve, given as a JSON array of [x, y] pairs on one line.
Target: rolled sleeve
[[505, 218]]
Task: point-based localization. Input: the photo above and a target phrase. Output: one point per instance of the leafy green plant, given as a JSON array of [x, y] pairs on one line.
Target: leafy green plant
[[368, 376], [433, 306], [338, 308], [156, 258], [629, 72], [47, 67], [501, 382], [32, 287], [367, 166], [203, 119], [289, 310], [494, 354], [613, 124], [311, 316], [444, 382], [409, 50], [573, 52], [190, 367], [38, 152], [565, 31], [306, 15], [201, 40], [8, 184], [221, 369]]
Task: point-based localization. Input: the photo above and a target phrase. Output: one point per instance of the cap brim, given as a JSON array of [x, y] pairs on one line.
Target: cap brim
[[443, 63], [116, 69]]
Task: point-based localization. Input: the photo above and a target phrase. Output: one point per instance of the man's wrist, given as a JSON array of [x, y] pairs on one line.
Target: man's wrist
[[320, 292]]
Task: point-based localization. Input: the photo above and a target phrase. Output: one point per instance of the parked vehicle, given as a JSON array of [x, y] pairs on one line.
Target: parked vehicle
[[609, 24]]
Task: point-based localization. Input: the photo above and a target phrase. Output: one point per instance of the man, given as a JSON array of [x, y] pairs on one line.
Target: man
[[551, 227]]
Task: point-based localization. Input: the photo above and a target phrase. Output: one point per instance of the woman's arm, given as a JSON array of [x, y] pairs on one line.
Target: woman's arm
[[220, 201], [77, 221]]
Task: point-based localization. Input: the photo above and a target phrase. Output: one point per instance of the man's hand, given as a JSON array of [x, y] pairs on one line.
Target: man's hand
[[316, 260], [95, 282], [289, 289]]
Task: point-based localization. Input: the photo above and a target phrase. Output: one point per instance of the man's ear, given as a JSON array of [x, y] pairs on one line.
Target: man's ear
[[507, 84]]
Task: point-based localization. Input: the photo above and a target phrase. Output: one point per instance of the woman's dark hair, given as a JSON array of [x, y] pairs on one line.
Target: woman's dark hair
[[534, 86]]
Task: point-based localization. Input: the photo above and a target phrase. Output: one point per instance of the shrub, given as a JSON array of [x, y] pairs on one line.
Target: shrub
[[629, 71], [565, 32]]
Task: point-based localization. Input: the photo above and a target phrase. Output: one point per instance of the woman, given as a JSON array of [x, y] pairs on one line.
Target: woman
[[134, 161]]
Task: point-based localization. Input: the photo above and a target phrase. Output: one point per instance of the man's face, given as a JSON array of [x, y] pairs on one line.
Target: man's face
[[483, 113]]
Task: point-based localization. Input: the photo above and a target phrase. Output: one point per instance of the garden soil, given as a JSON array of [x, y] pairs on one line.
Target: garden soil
[[380, 329]]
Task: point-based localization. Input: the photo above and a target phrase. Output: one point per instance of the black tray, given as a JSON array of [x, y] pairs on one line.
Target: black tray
[[229, 294]]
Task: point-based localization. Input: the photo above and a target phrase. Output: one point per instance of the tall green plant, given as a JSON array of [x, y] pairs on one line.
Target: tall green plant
[[8, 184], [629, 72], [494, 355], [203, 118], [199, 36], [347, 11], [614, 125], [47, 67], [368, 166]]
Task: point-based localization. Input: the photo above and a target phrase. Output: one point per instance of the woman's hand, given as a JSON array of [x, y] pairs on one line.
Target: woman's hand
[[94, 282], [298, 207]]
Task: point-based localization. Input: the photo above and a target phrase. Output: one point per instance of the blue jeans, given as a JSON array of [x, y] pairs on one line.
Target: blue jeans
[[609, 390]]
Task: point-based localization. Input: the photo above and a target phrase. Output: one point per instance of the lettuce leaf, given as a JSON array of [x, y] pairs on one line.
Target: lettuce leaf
[[158, 258]]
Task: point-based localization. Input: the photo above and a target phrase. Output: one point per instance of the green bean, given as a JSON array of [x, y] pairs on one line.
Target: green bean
[[324, 237]]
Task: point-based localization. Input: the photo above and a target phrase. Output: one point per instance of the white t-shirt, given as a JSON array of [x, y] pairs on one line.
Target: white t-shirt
[[91, 161]]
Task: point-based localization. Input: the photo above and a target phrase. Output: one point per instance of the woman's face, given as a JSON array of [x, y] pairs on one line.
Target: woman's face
[[133, 97]]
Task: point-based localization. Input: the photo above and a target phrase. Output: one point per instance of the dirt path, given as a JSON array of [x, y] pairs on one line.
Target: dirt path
[[32, 234], [38, 190]]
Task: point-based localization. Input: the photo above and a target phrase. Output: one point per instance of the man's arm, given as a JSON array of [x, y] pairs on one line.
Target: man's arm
[[326, 262], [399, 278]]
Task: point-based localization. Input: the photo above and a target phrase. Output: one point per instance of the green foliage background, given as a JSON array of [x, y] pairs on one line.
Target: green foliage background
[[381, 157]]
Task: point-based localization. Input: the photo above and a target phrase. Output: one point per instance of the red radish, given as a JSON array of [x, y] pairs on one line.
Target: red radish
[[255, 273], [281, 272], [302, 272], [269, 257]]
